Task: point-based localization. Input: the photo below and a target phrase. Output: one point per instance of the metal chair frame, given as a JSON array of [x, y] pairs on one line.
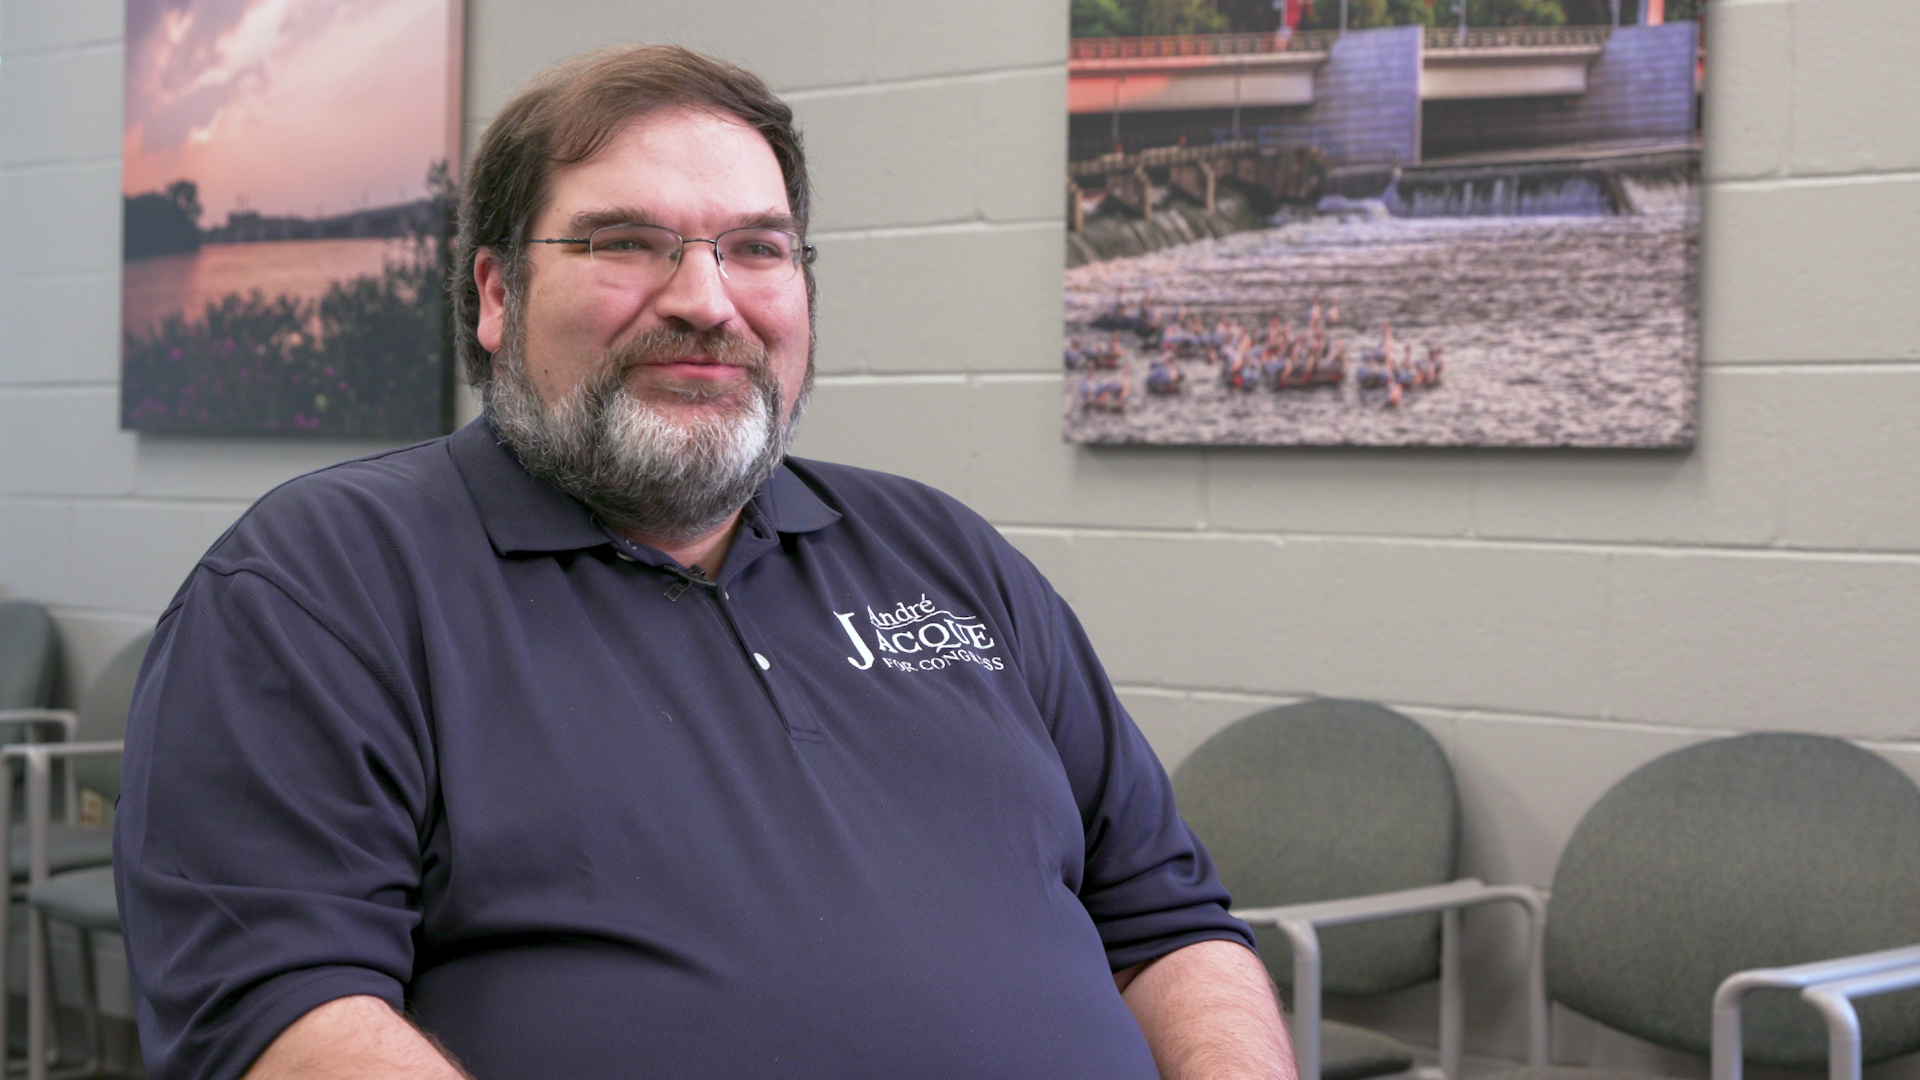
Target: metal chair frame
[[1301, 923], [1830, 987], [38, 759], [62, 725]]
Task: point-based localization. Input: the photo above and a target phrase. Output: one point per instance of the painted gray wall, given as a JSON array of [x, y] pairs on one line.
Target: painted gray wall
[[1556, 618]]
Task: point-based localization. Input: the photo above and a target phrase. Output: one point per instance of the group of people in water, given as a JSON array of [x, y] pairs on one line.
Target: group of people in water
[[1280, 358]]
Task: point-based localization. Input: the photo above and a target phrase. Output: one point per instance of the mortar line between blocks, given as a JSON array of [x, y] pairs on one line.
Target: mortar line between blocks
[[1852, 179], [1812, 367], [934, 378], [924, 82], [1479, 543], [1451, 712], [941, 228], [32, 168], [72, 48]]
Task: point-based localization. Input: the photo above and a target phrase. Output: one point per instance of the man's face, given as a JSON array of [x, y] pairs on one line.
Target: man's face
[[698, 174]]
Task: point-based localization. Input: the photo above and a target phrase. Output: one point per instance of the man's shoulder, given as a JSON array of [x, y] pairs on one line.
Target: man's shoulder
[[352, 508], [878, 498], [917, 522], [889, 504]]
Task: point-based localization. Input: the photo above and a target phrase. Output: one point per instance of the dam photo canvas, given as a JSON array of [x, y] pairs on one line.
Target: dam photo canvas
[[1403, 232], [288, 187]]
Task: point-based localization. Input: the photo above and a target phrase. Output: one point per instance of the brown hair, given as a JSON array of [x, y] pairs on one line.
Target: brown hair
[[565, 116]]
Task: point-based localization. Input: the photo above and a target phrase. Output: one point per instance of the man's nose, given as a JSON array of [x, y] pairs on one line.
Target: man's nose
[[696, 292]]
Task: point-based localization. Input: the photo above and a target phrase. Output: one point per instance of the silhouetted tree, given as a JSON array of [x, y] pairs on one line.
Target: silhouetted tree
[[162, 223], [185, 194]]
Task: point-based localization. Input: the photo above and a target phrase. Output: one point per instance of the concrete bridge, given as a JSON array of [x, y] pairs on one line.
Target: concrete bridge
[[1195, 171], [1362, 96]]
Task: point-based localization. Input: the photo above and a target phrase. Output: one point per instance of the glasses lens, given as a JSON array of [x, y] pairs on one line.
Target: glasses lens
[[758, 256], [640, 254]]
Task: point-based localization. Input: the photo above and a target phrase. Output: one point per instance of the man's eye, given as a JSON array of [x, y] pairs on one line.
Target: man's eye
[[758, 249]]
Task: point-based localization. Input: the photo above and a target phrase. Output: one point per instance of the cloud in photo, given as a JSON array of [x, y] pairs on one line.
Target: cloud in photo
[[294, 106]]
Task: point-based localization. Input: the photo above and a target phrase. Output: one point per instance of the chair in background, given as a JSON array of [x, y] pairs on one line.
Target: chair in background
[[29, 657], [58, 881], [1338, 822], [1773, 852]]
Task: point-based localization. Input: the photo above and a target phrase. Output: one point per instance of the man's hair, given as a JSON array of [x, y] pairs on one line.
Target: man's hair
[[564, 117]]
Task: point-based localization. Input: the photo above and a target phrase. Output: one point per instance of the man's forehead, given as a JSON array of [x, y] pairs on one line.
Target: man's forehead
[[677, 138]]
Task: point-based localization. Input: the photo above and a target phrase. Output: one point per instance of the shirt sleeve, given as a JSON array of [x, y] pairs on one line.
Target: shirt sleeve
[[276, 785], [1148, 882]]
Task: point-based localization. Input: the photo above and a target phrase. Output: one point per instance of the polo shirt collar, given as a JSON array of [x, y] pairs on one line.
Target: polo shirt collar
[[523, 513]]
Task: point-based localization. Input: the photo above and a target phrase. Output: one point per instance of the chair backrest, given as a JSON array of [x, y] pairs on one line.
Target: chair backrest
[[103, 715], [1756, 851], [1322, 800], [29, 655]]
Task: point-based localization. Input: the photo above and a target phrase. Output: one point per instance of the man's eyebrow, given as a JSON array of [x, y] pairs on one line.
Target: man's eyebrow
[[586, 221]]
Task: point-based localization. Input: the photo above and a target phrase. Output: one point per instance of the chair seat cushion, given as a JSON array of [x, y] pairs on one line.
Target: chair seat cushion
[[83, 898], [1351, 1053], [69, 847]]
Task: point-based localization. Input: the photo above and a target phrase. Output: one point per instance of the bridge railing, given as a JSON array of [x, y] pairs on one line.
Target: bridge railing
[[1438, 37], [1508, 37], [1176, 45]]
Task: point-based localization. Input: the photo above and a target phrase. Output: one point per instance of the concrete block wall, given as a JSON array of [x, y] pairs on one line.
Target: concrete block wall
[[1556, 619]]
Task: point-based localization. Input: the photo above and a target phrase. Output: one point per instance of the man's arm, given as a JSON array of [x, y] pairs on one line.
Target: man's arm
[[354, 1038], [1209, 1013]]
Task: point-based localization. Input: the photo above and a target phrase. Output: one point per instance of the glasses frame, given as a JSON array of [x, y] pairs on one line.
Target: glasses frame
[[804, 253]]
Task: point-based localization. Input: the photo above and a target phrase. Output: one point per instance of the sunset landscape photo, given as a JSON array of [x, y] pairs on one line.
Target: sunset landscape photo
[[287, 194]]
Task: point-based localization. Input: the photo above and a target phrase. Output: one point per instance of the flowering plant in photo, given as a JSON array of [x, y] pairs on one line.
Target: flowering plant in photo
[[364, 359]]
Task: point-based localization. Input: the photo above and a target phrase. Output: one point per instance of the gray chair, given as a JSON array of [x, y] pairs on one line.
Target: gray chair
[[29, 657], [29, 663], [59, 883], [1742, 866], [1338, 822]]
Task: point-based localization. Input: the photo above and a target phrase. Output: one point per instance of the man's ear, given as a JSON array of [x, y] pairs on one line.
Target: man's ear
[[490, 276]]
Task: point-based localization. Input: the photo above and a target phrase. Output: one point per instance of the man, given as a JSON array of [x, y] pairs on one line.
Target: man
[[605, 740]]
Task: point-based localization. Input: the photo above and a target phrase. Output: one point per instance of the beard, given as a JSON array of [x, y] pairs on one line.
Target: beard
[[641, 468]]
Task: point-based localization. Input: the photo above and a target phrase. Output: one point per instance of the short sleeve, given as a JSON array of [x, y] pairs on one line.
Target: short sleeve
[[1148, 882], [268, 830]]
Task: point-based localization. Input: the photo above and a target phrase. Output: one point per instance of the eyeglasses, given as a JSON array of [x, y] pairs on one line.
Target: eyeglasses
[[642, 256]]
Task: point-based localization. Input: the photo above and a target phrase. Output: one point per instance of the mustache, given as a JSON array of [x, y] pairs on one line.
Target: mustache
[[666, 344]]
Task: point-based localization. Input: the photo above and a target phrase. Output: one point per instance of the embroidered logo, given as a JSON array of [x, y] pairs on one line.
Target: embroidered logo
[[920, 636]]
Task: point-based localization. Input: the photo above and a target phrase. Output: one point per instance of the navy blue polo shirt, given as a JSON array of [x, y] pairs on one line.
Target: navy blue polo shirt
[[418, 726]]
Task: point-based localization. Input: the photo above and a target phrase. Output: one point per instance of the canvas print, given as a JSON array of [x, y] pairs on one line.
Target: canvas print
[[288, 185], [1383, 222]]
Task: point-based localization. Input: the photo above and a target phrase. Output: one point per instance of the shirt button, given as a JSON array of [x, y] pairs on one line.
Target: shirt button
[[765, 664], [624, 555]]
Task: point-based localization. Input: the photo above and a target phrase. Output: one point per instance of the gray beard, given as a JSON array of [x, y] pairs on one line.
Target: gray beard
[[640, 468]]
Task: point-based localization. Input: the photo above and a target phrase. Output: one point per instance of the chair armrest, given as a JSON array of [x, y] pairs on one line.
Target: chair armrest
[[63, 721], [1828, 985], [1834, 1001], [1464, 892], [39, 758], [1302, 922]]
